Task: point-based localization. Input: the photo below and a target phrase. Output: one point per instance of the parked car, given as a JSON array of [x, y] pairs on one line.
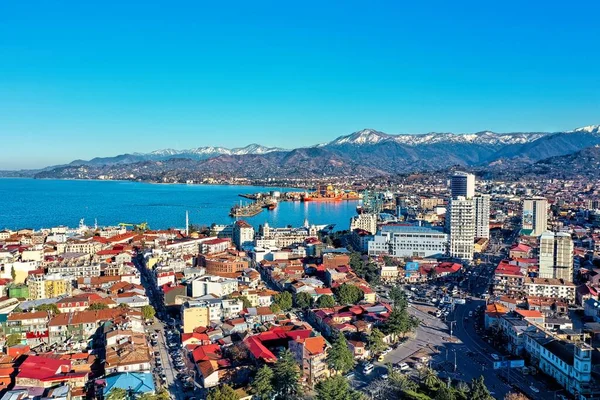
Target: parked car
[[495, 356], [368, 368]]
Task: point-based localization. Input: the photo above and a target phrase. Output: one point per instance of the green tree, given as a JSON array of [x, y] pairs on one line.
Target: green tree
[[13, 339], [429, 378], [336, 388], [348, 294], [117, 394], [162, 394], [400, 322], [275, 308], [245, 302], [148, 312], [224, 392], [51, 308], [304, 300], [124, 305], [262, 386], [13, 273], [339, 356], [401, 383], [375, 341], [398, 296], [444, 393], [325, 301], [479, 391], [286, 376], [414, 395], [284, 300], [97, 306]]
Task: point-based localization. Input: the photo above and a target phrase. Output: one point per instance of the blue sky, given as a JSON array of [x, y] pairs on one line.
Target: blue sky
[[80, 79]]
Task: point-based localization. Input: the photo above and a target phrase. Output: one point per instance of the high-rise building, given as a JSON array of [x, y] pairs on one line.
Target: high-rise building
[[535, 215], [556, 256], [364, 221], [460, 225], [482, 216], [462, 184]]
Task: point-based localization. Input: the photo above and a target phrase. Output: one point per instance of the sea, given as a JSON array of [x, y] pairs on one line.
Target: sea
[[42, 203]]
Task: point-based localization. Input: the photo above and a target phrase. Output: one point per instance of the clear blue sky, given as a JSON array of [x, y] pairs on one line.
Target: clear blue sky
[[80, 79]]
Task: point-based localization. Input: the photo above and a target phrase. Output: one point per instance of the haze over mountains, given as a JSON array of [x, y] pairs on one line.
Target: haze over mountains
[[367, 153]]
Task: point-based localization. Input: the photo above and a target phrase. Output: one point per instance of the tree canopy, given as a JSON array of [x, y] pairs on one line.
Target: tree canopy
[[336, 388], [50, 307], [286, 376], [262, 385], [375, 341], [284, 300], [224, 392], [348, 294], [13, 339], [479, 391], [148, 312], [304, 300], [339, 356], [325, 301], [97, 306]]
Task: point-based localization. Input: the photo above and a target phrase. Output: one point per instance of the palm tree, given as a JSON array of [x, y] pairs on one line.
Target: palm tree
[[429, 377]]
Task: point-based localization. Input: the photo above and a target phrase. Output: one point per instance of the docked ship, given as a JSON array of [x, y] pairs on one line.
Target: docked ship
[[328, 193], [270, 204], [249, 210]]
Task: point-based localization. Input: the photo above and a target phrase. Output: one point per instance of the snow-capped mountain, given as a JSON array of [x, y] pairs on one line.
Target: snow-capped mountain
[[370, 137]]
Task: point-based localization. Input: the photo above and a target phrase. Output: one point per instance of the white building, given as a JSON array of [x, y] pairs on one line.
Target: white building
[[462, 184], [535, 215], [365, 221], [216, 285], [284, 237], [482, 216], [243, 234], [553, 288], [460, 225], [556, 256], [408, 241]]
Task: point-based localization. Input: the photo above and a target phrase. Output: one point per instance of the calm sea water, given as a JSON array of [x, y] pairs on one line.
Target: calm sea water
[[35, 204]]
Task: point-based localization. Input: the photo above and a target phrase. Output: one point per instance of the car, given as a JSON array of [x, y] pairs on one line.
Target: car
[[495, 357], [368, 368], [385, 376], [381, 357], [404, 366], [534, 389]]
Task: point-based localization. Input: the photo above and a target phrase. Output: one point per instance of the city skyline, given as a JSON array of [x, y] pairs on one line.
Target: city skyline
[[123, 78]]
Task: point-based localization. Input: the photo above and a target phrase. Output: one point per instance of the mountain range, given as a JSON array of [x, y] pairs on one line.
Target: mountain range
[[364, 153]]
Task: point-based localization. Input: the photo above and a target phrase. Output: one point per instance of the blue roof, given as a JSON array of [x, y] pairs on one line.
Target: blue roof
[[138, 382], [412, 266]]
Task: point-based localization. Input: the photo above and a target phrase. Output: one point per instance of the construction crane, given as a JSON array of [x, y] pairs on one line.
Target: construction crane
[[138, 227]]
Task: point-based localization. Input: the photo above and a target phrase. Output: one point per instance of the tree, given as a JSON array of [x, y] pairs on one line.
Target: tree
[[238, 352], [97, 306], [400, 322], [398, 296], [13, 273], [400, 382], [245, 302], [148, 312], [262, 386], [348, 294], [444, 393], [304, 300], [275, 308], [117, 394], [336, 388], [52, 308], [162, 394], [13, 339], [284, 300], [224, 392], [479, 391], [286, 376], [375, 341], [124, 305], [429, 378], [339, 356], [325, 301]]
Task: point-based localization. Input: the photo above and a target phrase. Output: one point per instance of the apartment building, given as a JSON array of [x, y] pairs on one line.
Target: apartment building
[[460, 225], [215, 285], [553, 288], [365, 221], [556, 256], [408, 241]]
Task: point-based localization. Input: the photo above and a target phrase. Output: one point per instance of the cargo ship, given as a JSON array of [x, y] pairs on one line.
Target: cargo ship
[[328, 193], [249, 210]]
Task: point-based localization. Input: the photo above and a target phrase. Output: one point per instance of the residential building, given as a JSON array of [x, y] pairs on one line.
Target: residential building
[[556, 256], [462, 184], [460, 225], [243, 234], [197, 313], [364, 221], [553, 288], [287, 236], [215, 285], [482, 216], [535, 216], [311, 354]]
